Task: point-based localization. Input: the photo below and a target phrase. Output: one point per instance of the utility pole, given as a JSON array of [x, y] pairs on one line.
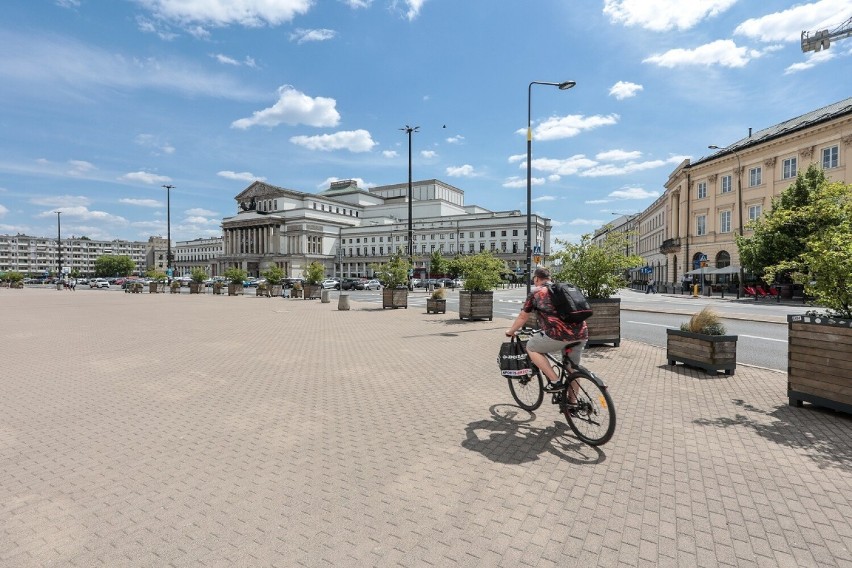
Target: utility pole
[[169, 232]]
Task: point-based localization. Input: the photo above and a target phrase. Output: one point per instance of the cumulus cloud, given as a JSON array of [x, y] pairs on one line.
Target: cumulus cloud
[[218, 13], [357, 3], [154, 144], [461, 171], [79, 167], [81, 213], [389, 153], [559, 127], [145, 177], [624, 90], [813, 60], [201, 212], [410, 8], [293, 107], [563, 167], [723, 52], [516, 181], [787, 25], [602, 170], [618, 155], [141, 202], [457, 139], [240, 176], [592, 222], [428, 154], [664, 15], [352, 140], [302, 36], [60, 201], [3, 210], [633, 193], [544, 198]]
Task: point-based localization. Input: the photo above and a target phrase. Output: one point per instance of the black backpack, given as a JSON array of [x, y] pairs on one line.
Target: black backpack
[[570, 304]]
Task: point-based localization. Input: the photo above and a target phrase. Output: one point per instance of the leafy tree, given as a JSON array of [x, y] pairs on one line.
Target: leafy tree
[[13, 277], [481, 271], [274, 274], [437, 263], [780, 235], [198, 275], [314, 273], [597, 269], [393, 273], [235, 275], [114, 265], [156, 275]]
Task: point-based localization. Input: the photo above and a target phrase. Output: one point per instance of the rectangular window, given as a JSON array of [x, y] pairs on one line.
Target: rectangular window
[[701, 225], [754, 177], [481, 247], [481, 234], [493, 234], [382, 251], [725, 222], [514, 232], [502, 233], [726, 184], [702, 189], [829, 157], [789, 169], [754, 212]]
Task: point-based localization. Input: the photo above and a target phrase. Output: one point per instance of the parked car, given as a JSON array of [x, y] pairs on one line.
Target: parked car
[[289, 282], [372, 285], [445, 283], [98, 283], [349, 283], [330, 284]]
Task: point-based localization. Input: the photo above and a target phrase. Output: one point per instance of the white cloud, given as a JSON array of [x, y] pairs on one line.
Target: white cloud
[[389, 153], [516, 181], [145, 177], [813, 60], [302, 36], [618, 155], [81, 213], [633, 193], [593, 222], [411, 8], [559, 127], [457, 139], [663, 15], [518, 157], [154, 144], [357, 3], [787, 25], [241, 176], [141, 202], [68, 3], [80, 167], [544, 198], [461, 171], [249, 13], [554, 177], [723, 52], [562, 167], [601, 170], [3, 210], [198, 212], [61, 201], [294, 107], [624, 90], [428, 154], [352, 140], [226, 60]]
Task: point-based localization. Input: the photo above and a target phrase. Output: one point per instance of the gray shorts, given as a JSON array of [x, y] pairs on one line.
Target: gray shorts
[[540, 343]]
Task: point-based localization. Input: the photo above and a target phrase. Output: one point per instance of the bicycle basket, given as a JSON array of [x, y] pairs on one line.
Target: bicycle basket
[[513, 359]]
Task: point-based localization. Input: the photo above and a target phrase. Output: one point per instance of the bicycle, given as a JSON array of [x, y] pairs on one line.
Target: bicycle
[[591, 416]]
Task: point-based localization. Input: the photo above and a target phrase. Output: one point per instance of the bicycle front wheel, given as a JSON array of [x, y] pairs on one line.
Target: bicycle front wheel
[[592, 417], [527, 391]]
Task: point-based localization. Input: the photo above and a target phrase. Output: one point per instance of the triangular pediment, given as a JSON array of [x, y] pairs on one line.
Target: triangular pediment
[[262, 190]]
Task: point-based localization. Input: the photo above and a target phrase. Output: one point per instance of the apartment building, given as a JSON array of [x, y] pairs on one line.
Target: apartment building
[[38, 256]]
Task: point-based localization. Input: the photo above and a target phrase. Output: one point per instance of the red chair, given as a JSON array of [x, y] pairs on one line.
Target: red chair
[[749, 291], [761, 293], [773, 292]]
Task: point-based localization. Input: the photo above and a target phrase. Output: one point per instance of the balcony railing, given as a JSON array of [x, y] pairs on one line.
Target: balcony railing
[[670, 246]]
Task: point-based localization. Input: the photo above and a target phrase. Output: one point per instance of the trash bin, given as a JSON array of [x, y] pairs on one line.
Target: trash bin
[[343, 302], [324, 296]]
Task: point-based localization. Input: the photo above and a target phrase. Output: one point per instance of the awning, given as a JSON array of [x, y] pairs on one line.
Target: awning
[[726, 270], [699, 272]]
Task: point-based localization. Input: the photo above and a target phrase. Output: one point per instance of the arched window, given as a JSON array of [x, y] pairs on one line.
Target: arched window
[[723, 259]]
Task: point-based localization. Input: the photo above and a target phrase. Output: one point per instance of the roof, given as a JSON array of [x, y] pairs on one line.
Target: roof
[[807, 120]]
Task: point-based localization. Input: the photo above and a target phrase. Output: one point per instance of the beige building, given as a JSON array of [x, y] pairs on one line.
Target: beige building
[[200, 253], [711, 200]]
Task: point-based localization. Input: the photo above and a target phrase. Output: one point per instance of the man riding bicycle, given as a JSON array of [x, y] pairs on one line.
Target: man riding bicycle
[[554, 335]]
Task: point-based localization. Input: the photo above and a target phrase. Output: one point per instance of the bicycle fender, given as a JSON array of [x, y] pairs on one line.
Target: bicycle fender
[[596, 379]]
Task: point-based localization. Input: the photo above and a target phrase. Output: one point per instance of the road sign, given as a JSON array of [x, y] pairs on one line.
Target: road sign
[[537, 250]]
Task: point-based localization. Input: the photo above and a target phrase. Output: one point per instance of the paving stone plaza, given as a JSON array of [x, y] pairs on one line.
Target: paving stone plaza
[[176, 430]]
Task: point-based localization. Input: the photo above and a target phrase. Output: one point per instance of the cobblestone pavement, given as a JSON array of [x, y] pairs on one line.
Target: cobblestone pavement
[[166, 430]]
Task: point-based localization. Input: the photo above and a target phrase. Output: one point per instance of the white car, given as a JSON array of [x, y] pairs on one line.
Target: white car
[[331, 284], [98, 283], [373, 285]]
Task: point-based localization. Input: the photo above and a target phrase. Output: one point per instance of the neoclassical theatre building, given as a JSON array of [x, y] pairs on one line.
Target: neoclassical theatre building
[[348, 228]]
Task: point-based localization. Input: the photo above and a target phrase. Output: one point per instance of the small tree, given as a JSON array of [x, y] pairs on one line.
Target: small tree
[[114, 265], [235, 275], [198, 275], [14, 278], [438, 264], [274, 274], [481, 271], [156, 275], [314, 273], [393, 273], [597, 269]]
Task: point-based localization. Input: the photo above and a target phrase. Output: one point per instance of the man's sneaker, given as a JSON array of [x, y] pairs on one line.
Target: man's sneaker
[[554, 387]]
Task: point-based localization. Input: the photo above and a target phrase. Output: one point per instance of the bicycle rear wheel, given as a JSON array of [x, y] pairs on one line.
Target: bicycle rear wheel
[[527, 391], [592, 418]]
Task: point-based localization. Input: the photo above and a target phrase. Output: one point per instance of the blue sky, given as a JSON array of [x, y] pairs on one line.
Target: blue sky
[[104, 101]]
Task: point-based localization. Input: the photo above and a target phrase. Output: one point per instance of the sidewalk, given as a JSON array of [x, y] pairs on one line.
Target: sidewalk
[[158, 430]]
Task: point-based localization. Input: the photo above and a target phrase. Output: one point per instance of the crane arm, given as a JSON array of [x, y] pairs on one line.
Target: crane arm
[[822, 38]]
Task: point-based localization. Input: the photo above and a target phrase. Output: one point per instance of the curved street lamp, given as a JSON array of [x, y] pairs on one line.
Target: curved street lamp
[[741, 287], [563, 86]]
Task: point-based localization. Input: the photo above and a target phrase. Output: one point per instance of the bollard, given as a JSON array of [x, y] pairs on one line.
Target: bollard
[[324, 296], [343, 302]]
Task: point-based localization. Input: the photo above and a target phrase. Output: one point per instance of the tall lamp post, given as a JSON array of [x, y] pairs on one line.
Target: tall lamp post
[[169, 231], [59, 244], [741, 287], [410, 130], [564, 86]]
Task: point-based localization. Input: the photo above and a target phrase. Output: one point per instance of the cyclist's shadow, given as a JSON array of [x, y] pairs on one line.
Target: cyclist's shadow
[[511, 438]]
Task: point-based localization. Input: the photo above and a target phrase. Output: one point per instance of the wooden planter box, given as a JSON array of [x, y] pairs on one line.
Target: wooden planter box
[[277, 290], [436, 305], [157, 287], [313, 291], [235, 289], [174, 289], [709, 352], [605, 323], [819, 362], [196, 287], [296, 293], [476, 305], [395, 298], [263, 292], [217, 289]]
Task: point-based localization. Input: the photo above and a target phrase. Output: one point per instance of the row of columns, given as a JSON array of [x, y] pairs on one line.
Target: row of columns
[[250, 240]]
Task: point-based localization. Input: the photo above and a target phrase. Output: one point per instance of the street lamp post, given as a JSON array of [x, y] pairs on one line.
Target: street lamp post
[[169, 232], [564, 86], [59, 244], [410, 130], [741, 287]]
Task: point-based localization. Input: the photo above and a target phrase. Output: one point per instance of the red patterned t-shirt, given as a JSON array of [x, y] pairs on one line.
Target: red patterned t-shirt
[[548, 320]]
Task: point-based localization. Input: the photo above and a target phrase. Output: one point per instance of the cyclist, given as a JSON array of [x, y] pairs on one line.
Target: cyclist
[[554, 334]]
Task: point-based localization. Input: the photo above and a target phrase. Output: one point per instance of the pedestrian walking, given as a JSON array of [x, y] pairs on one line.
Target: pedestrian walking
[[651, 286]]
